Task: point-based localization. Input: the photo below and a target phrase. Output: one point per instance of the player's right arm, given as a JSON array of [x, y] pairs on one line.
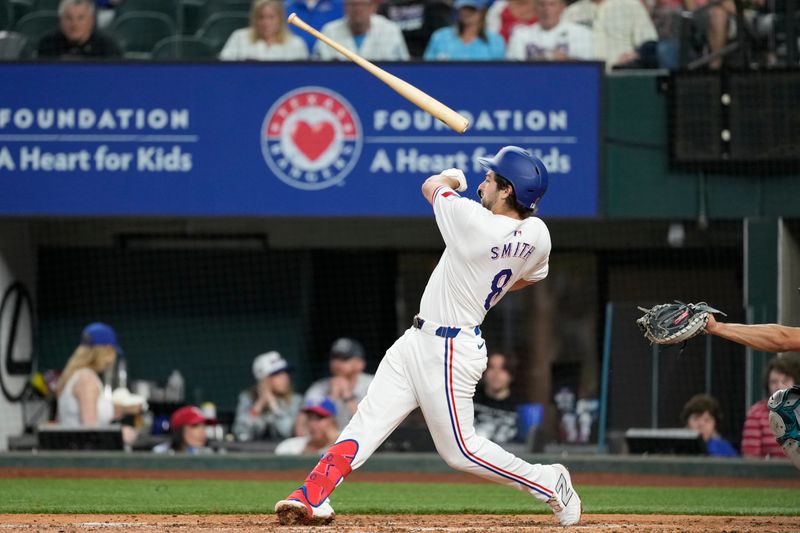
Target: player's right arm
[[433, 183], [452, 177], [763, 337]]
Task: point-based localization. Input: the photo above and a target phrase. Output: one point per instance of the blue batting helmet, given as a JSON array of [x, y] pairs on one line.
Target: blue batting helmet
[[526, 173]]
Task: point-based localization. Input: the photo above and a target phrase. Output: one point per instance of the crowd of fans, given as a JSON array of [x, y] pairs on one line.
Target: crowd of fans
[[621, 33], [270, 410]]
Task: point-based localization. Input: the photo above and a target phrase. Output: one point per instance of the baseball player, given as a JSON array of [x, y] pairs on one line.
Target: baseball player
[[492, 247], [784, 404]]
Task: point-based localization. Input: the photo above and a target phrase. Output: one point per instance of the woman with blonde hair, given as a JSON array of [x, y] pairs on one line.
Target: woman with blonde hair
[[267, 38], [81, 397]]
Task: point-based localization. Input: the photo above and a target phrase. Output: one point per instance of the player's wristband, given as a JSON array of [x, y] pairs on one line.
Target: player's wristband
[[457, 175]]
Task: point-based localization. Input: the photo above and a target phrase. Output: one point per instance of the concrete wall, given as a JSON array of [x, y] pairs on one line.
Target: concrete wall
[[17, 264]]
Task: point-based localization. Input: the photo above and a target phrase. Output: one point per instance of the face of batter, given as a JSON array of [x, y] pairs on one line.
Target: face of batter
[[491, 197]]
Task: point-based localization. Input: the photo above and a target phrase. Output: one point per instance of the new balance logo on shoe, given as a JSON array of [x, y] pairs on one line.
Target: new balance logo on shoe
[[563, 490]]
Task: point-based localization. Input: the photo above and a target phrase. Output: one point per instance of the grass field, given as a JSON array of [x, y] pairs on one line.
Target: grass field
[[43, 495]]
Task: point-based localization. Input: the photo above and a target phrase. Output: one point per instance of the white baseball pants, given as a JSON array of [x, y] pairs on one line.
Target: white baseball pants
[[439, 374]]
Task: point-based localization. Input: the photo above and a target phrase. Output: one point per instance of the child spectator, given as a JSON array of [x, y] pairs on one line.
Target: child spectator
[[702, 414]]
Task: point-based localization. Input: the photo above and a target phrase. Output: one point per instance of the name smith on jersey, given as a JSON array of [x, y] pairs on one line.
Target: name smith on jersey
[[521, 250]]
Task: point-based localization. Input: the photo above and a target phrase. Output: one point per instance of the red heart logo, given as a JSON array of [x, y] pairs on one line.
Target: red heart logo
[[312, 140]]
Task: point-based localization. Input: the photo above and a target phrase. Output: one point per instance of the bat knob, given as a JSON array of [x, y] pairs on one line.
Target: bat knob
[[291, 18]]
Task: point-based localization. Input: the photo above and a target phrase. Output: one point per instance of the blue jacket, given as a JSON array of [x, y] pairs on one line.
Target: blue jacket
[[323, 12]]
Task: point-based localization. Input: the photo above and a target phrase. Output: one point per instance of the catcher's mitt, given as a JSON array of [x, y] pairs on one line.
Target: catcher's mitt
[[674, 323]]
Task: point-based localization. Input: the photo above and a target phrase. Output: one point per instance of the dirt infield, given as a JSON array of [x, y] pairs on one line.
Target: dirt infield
[[396, 523]]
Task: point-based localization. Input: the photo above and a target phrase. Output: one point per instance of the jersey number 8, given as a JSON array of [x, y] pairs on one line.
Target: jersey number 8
[[500, 280]]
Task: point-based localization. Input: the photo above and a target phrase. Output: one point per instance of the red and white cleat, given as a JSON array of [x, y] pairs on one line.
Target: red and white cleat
[[296, 509]]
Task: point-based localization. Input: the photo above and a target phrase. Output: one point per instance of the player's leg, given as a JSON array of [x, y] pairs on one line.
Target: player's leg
[[388, 402], [446, 403]]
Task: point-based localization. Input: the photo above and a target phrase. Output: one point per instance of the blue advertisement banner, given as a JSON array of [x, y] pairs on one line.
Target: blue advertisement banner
[[282, 139]]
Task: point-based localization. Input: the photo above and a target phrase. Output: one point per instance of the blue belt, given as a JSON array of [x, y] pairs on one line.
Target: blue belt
[[442, 331]]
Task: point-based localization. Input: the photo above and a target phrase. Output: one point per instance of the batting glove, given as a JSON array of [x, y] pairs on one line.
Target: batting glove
[[457, 175]]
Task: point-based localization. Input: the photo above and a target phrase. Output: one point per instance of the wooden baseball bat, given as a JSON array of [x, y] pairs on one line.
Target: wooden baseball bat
[[424, 101]]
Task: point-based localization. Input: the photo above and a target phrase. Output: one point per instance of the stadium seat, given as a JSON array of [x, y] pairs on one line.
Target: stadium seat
[[212, 7], [182, 47], [21, 8], [170, 8], [14, 46], [6, 15], [196, 12], [138, 32], [46, 5], [36, 25], [219, 27]]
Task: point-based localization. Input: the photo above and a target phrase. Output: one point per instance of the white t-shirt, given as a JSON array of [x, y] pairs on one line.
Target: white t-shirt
[[382, 42], [240, 47], [69, 410], [292, 446], [536, 43], [618, 26], [485, 255]]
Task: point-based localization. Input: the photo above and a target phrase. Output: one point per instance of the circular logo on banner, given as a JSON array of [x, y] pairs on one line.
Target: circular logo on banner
[[311, 138]]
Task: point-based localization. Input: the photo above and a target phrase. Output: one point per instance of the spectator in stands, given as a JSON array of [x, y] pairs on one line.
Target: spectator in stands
[[782, 372], [82, 397], [505, 15], [362, 30], [622, 31], [105, 12], [268, 409], [315, 13], [188, 434], [551, 38], [77, 37], [702, 414], [347, 385], [267, 38], [417, 19], [468, 39], [495, 408], [320, 433]]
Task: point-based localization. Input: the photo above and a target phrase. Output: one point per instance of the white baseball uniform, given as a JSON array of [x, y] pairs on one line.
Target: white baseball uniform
[[438, 361]]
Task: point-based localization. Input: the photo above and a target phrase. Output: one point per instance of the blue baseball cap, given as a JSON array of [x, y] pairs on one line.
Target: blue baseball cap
[[99, 334], [323, 408], [477, 4]]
